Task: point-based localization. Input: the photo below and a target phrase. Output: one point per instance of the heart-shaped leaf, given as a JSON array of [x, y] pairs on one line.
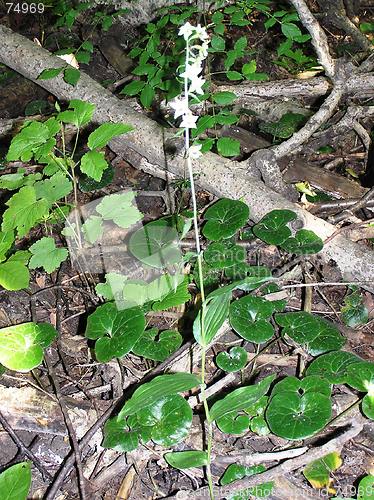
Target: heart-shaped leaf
[[116, 332], [360, 376], [170, 419], [222, 254], [119, 209], [272, 228], [315, 334], [259, 426], [118, 436], [158, 350], [366, 488], [354, 312], [186, 459], [232, 361], [249, 317], [15, 482], [319, 471], [233, 423], [312, 384], [160, 387], [241, 398], [258, 408], [224, 219], [21, 346], [304, 242], [333, 366]]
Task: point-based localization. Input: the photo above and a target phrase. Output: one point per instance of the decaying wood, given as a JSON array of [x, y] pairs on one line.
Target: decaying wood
[[220, 176]]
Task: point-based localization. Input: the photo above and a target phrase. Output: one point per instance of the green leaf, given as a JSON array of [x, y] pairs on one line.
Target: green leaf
[[259, 426], [71, 76], [224, 219], [79, 113], [361, 376], [234, 75], [233, 360], [113, 286], [49, 73], [227, 146], [333, 366], [223, 254], [93, 164], [311, 384], [105, 133], [53, 189], [249, 68], [217, 44], [87, 184], [285, 126], [24, 211], [158, 349], [290, 30], [93, 229], [15, 181], [304, 242], [83, 57], [6, 242], [27, 141], [21, 256], [117, 437], [315, 334], [15, 482], [164, 385], [116, 332], [240, 398], [156, 244], [45, 254], [319, 471], [169, 418], [366, 488], [249, 317], [186, 459], [216, 311], [368, 406], [119, 209], [147, 95], [233, 423], [133, 88], [272, 228], [14, 275], [224, 98], [176, 297], [21, 346], [354, 311], [240, 44], [235, 472]]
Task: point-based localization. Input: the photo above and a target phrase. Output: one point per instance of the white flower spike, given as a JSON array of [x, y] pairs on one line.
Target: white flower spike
[[194, 151]]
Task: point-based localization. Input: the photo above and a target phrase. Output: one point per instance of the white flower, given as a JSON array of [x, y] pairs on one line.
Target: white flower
[[201, 33], [189, 120], [186, 30], [194, 152], [192, 71], [180, 106], [196, 85]]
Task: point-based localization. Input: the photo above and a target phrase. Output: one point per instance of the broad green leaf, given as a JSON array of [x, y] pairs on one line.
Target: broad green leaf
[[79, 113], [118, 437], [304, 242], [45, 254], [259, 426], [233, 423], [53, 189], [133, 88], [315, 334], [93, 164], [311, 384], [249, 68], [224, 98], [15, 181], [241, 43], [155, 346], [105, 133], [147, 95], [272, 228], [21, 346], [164, 385], [333, 366], [354, 312], [223, 254], [14, 275], [156, 244], [294, 416], [116, 332], [361, 376], [240, 398], [216, 311], [27, 141], [368, 406], [93, 228], [224, 219], [290, 30], [235, 472], [21, 256], [87, 184], [113, 286], [15, 482], [186, 459], [169, 418], [234, 75], [49, 73], [71, 76], [233, 360], [120, 209], [176, 297], [258, 408], [6, 243], [227, 146], [24, 211], [217, 44], [366, 488], [249, 317], [319, 471]]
